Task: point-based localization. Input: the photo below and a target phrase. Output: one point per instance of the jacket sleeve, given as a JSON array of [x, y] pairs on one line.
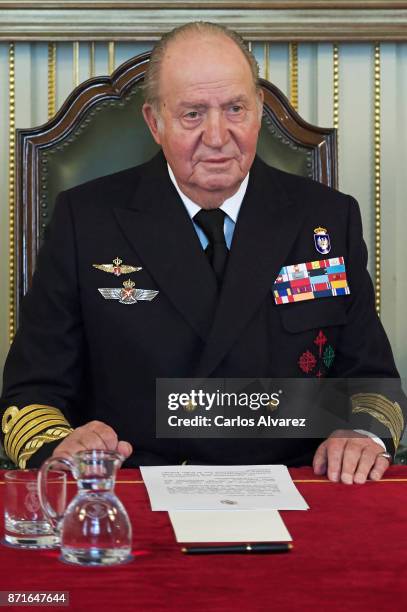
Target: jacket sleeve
[[364, 356], [43, 370]]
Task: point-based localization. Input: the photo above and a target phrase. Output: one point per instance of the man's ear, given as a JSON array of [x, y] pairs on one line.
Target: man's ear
[[150, 117], [260, 101]]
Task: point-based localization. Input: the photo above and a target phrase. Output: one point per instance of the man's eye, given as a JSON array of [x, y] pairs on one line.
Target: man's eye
[[236, 108], [191, 115]]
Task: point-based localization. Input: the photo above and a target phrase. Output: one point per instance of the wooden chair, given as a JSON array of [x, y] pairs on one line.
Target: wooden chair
[[100, 130]]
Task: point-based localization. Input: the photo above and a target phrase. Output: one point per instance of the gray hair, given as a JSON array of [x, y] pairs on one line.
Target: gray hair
[[152, 76]]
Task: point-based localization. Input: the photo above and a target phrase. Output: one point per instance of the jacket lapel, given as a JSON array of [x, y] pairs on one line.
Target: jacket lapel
[[159, 229], [266, 228]]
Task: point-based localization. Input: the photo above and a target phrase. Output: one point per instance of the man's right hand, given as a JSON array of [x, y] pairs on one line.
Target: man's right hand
[[93, 435]]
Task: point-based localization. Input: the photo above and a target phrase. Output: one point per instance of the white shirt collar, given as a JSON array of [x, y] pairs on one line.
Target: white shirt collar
[[231, 206]]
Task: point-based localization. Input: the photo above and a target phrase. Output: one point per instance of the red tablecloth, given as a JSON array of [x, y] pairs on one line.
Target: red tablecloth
[[350, 554]]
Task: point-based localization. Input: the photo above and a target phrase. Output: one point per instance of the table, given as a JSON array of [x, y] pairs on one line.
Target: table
[[350, 554]]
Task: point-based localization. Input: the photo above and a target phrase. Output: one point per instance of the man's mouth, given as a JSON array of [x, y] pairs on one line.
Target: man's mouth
[[216, 160]]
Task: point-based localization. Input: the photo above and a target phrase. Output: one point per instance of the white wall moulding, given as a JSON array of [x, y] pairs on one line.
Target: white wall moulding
[[136, 20]]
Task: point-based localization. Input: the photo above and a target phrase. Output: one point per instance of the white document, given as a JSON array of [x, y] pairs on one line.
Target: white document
[[220, 526], [221, 487]]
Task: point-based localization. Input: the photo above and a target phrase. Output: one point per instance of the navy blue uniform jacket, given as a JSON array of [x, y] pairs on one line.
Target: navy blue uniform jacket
[[95, 358]]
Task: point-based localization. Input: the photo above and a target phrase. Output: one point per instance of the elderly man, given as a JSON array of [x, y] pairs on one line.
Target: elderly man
[[82, 370]]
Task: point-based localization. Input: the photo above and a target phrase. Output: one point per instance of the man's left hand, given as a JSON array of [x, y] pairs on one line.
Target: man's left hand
[[349, 457]]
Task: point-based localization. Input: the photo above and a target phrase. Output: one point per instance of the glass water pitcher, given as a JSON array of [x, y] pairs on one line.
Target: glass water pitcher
[[95, 528]]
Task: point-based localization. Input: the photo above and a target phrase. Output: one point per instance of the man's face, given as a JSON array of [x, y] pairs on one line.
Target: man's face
[[210, 115]]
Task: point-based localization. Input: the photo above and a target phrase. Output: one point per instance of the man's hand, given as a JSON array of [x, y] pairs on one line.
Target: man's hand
[[92, 435], [349, 457]]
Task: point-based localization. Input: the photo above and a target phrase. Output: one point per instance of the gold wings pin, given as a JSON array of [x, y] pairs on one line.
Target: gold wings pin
[[116, 267]]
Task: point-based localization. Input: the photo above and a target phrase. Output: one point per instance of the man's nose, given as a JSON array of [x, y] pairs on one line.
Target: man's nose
[[215, 133]]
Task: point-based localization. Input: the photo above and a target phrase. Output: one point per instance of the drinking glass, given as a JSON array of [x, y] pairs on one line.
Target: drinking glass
[[26, 525]]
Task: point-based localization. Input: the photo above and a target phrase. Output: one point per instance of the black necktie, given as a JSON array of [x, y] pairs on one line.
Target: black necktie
[[211, 222]]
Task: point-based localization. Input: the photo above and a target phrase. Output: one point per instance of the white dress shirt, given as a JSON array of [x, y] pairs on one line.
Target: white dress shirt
[[231, 207]]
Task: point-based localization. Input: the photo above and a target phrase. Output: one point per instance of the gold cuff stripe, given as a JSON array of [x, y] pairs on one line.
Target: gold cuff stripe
[[15, 457], [386, 412], [380, 403], [16, 414], [19, 426], [27, 435], [50, 435], [31, 418], [381, 408], [13, 438]]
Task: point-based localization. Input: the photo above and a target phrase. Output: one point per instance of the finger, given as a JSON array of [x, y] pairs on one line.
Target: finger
[[64, 454], [93, 435], [61, 454], [91, 440], [320, 460], [366, 462], [69, 446], [125, 449], [105, 432], [335, 448], [82, 439], [350, 460], [381, 464]]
